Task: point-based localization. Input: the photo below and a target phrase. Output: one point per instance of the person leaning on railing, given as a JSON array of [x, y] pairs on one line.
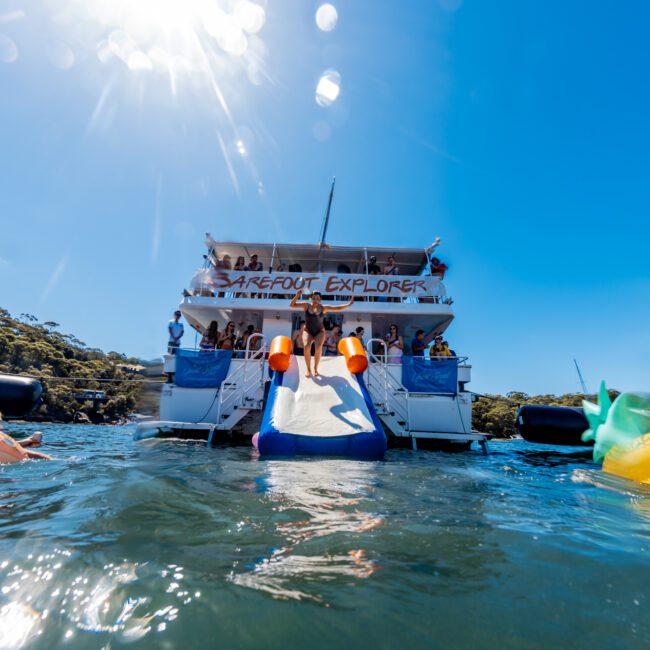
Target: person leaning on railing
[[227, 338], [440, 350], [394, 345], [210, 337], [256, 267], [176, 331], [438, 268]]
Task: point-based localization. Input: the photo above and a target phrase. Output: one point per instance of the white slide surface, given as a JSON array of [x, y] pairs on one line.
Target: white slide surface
[[326, 406]]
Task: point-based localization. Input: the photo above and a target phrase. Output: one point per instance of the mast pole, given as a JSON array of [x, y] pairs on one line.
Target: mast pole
[[323, 230], [582, 381], [326, 218]]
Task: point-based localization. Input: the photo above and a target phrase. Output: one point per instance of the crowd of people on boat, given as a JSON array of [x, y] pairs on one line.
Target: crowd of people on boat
[[393, 347], [435, 347], [372, 267], [214, 339], [202, 284]]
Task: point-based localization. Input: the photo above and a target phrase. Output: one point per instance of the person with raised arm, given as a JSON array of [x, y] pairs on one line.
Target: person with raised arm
[[314, 328]]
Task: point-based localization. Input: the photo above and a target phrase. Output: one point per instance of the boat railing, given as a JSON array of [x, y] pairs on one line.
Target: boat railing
[[238, 386], [389, 393], [333, 286]]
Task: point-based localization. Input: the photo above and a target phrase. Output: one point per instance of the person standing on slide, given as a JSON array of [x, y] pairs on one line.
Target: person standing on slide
[[314, 328]]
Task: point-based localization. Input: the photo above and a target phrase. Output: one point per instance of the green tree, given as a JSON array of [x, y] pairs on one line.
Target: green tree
[[27, 348]]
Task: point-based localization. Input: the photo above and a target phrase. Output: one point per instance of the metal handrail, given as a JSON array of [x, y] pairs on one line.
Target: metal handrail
[[391, 386], [231, 384], [233, 393]]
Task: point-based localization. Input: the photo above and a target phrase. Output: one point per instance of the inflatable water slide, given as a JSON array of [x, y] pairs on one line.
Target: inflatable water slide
[[327, 415]]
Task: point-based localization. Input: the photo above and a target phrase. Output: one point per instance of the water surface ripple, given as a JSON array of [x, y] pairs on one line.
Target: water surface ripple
[[172, 545]]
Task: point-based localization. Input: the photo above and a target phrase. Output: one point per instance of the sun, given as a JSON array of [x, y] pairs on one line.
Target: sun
[[144, 33]]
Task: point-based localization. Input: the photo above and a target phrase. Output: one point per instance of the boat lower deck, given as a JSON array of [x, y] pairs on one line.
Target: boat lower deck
[[209, 433]]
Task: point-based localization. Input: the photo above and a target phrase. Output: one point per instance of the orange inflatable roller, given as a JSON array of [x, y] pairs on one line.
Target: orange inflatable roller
[[355, 356], [280, 353]]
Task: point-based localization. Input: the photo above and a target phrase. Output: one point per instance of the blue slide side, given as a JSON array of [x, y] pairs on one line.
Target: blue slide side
[[362, 445]]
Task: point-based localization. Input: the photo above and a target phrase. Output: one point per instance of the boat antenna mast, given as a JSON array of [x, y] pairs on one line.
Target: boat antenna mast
[[323, 231], [326, 218], [582, 381]]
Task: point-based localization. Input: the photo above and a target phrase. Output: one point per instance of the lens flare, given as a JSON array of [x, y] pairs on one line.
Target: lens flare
[[60, 55], [328, 88], [326, 17], [206, 33], [250, 16], [322, 131], [8, 50], [139, 61]]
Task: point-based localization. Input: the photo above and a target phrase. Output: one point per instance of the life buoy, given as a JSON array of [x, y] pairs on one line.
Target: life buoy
[[10, 450]]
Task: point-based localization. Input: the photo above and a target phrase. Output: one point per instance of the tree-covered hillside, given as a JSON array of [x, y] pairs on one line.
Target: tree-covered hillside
[[496, 414], [28, 347]]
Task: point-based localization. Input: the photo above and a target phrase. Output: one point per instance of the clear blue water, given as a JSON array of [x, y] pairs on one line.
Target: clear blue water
[[172, 545]]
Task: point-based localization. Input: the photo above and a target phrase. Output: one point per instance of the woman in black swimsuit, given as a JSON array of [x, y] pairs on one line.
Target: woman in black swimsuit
[[314, 328]]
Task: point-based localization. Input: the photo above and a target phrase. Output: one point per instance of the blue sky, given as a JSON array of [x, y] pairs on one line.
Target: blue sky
[[517, 131]]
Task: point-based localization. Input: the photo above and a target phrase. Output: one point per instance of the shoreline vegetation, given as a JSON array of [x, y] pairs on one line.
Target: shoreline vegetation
[[496, 414], [70, 371], [28, 347]]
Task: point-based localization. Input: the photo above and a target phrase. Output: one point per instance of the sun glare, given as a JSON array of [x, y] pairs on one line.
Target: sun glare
[[187, 35], [200, 51]]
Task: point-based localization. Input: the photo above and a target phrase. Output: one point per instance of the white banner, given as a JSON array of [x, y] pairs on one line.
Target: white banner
[[330, 284]]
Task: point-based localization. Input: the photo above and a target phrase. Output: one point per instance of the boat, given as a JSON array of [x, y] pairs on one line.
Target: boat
[[221, 396]]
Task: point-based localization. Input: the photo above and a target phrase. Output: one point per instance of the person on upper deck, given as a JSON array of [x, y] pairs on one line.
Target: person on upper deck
[[314, 328], [210, 337], [254, 265], [176, 331], [418, 344], [394, 345], [240, 264], [226, 262], [438, 268], [372, 267], [391, 267]]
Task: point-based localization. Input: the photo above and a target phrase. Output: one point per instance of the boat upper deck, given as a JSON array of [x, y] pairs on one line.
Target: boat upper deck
[[252, 284], [236, 272], [317, 257]]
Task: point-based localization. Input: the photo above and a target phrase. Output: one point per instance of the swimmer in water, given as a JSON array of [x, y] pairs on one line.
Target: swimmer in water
[[35, 440], [314, 329]]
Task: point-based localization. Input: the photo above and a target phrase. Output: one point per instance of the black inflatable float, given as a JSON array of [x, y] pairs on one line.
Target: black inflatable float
[[552, 425], [19, 395]]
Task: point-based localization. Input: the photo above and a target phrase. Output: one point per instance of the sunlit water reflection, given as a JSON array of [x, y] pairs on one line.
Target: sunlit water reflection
[[172, 545]]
